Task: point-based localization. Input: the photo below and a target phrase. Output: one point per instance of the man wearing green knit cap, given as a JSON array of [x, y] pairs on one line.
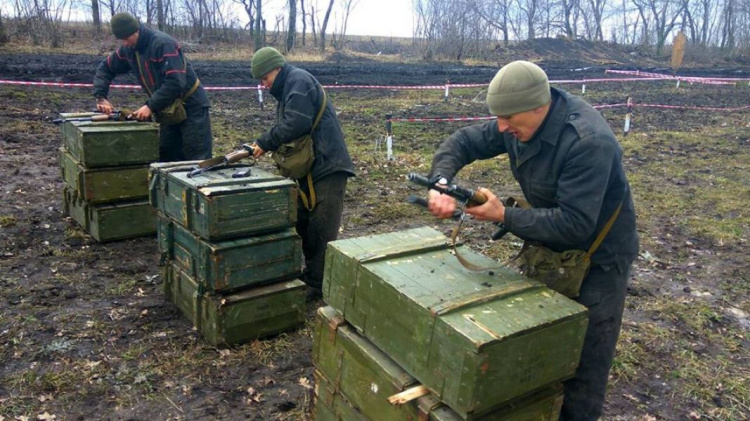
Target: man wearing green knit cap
[[303, 108], [569, 166], [167, 77]]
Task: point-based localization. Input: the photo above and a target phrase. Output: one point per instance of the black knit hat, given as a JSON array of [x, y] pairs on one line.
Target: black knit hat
[[124, 25]]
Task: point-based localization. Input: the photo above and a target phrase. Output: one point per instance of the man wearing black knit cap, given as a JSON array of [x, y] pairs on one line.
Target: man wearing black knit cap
[[568, 163], [303, 108], [168, 78]]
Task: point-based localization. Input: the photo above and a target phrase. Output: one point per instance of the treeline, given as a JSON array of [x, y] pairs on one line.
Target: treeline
[[460, 28], [455, 29]]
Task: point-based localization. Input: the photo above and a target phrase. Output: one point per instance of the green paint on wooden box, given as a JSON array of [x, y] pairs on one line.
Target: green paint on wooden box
[[238, 317], [108, 222], [104, 185], [228, 265], [110, 143], [475, 339], [353, 369], [216, 206]]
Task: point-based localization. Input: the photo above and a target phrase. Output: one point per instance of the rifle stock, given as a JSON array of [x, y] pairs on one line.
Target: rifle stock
[[221, 161]]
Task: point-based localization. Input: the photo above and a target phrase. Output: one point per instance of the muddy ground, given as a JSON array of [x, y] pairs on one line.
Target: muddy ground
[[85, 331]]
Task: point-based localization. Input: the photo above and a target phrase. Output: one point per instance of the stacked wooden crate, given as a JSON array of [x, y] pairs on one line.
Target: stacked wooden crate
[[105, 169], [231, 255], [404, 315]]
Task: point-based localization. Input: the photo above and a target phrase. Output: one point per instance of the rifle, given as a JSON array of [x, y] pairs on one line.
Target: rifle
[[464, 196], [121, 115], [221, 161]]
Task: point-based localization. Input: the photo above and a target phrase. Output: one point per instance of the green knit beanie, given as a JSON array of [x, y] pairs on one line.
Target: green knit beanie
[[124, 25], [519, 86], [265, 60]]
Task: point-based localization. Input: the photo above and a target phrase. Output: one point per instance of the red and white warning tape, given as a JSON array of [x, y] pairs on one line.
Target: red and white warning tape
[[598, 107], [442, 119], [389, 87], [692, 79]]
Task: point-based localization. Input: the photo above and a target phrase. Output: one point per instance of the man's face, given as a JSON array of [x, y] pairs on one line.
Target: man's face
[[131, 40], [267, 79], [522, 125]]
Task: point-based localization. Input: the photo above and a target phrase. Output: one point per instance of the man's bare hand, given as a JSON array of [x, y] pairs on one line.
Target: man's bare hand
[[440, 205], [142, 114], [257, 150], [492, 210], [104, 106]]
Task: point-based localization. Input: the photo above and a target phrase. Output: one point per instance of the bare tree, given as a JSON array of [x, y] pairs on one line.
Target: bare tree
[[325, 25], [160, 15], [729, 25], [3, 35], [494, 13], [570, 10], [304, 20], [312, 24], [259, 34], [528, 11], [96, 16], [292, 29], [664, 14], [597, 9], [339, 41]]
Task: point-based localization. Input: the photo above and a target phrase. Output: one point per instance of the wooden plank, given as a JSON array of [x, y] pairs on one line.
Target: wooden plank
[[408, 395]]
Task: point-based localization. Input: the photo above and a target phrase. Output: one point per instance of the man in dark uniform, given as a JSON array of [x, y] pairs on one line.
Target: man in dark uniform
[[569, 165], [300, 97], [165, 74]]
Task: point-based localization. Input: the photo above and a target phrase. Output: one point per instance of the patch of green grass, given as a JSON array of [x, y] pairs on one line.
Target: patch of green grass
[[122, 287], [76, 232], [698, 176], [700, 361], [7, 221]]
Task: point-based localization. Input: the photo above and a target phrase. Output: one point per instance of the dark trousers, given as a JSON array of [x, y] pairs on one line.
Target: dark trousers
[[603, 293], [321, 225], [189, 140]]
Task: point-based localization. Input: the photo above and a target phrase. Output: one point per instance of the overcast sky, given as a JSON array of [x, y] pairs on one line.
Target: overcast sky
[[382, 17], [368, 17]]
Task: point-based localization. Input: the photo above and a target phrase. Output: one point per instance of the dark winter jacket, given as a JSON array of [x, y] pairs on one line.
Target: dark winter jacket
[[299, 97], [166, 73], [570, 171]]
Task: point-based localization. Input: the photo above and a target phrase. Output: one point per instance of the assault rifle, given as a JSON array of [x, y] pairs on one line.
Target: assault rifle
[[464, 196], [221, 161], [121, 115]]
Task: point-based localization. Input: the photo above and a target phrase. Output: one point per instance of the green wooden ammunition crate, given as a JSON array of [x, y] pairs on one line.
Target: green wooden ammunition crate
[[353, 369], [104, 185], [231, 264], [108, 222], [110, 143], [475, 339], [333, 407], [216, 206], [239, 317]]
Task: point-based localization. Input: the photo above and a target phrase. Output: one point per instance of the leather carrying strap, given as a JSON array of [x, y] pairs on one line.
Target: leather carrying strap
[[510, 202], [309, 203], [603, 233], [184, 67]]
